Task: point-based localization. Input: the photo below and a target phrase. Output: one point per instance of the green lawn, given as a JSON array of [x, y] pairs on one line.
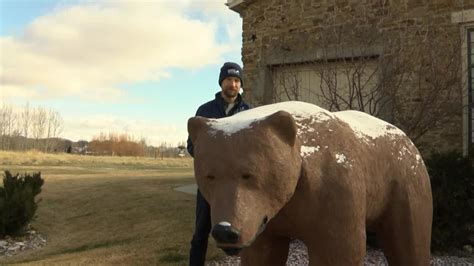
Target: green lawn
[[116, 213]]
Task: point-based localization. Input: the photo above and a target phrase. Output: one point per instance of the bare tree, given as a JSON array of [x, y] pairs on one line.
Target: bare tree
[[117, 144], [433, 71], [12, 128], [409, 74], [38, 125], [54, 125], [25, 124], [8, 126], [17, 125], [3, 123], [290, 85]]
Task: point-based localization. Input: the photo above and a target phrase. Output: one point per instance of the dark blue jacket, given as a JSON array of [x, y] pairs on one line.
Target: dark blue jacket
[[216, 109]]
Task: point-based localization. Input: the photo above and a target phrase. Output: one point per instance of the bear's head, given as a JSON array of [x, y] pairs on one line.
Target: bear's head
[[247, 176]]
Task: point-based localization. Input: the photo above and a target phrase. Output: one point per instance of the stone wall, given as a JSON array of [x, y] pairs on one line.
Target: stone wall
[[280, 32]]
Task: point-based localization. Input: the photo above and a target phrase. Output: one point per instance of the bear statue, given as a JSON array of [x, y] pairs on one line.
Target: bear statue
[[293, 170]]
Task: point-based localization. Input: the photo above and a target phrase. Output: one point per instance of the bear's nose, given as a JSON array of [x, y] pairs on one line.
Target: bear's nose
[[224, 233]]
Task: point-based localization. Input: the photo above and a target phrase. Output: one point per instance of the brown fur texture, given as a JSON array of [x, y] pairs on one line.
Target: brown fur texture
[[287, 176]]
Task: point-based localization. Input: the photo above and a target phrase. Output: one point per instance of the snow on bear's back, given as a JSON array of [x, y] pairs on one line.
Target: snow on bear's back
[[363, 124], [242, 120]]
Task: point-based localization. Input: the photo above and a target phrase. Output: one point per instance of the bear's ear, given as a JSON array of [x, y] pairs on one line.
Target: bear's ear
[[196, 124], [284, 126]]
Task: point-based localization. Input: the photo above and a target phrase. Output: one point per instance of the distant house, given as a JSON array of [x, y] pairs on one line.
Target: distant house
[[80, 147], [410, 62]]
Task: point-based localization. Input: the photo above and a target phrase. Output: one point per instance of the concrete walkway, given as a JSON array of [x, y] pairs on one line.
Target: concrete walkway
[[190, 189]]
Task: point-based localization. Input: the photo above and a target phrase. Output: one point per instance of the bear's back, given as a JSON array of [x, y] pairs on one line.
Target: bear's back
[[367, 126], [300, 111], [363, 125]]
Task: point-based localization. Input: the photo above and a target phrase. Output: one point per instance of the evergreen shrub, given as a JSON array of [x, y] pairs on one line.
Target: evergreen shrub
[[17, 201], [452, 184]]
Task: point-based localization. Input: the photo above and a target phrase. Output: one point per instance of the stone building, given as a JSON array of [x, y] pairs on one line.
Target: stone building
[[410, 62]]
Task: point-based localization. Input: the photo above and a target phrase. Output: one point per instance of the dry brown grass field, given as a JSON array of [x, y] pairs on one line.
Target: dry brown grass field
[[109, 210]]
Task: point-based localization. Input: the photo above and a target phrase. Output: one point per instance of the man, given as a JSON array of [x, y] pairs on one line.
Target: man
[[227, 102]]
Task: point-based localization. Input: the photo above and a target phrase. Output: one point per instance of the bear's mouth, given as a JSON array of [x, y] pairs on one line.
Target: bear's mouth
[[231, 251], [261, 228]]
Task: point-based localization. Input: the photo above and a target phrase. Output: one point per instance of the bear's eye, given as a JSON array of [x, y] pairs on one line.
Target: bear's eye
[[247, 176], [210, 177]]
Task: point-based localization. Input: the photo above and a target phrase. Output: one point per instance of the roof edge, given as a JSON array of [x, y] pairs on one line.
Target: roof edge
[[238, 5]]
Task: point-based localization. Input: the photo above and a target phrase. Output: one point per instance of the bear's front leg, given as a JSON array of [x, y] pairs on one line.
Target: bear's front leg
[[267, 249], [337, 247]]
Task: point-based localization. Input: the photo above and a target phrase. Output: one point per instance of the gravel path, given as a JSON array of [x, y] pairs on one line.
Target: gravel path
[[298, 256]]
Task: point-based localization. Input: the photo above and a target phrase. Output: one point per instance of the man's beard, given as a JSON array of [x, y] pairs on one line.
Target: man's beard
[[231, 93]]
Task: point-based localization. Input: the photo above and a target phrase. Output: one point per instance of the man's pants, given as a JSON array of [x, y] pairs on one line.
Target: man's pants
[[197, 255]]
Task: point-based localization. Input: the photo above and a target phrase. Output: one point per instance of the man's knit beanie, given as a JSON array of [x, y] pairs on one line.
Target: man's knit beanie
[[230, 69]]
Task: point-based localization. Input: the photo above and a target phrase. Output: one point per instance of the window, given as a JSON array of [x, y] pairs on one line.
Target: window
[[465, 19], [334, 85], [470, 80]]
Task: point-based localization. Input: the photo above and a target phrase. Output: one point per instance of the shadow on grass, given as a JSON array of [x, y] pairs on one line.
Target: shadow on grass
[[173, 258], [79, 216], [105, 244], [91, 246], [85, 247], [172, 255]]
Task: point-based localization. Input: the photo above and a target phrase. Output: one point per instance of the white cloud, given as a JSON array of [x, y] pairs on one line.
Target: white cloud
[[88, 50], [155, 132], [224, 16]]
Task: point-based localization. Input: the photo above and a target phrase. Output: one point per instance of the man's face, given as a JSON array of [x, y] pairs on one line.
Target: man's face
[[230, 87]]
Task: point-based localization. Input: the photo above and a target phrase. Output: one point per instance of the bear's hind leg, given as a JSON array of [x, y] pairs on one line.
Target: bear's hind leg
[[405, 234], [266, 250]]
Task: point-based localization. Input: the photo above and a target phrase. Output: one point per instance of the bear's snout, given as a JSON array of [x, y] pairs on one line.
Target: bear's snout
[[224, 233]]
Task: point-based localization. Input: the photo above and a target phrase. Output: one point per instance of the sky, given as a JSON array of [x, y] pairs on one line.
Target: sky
[[140, 67]]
